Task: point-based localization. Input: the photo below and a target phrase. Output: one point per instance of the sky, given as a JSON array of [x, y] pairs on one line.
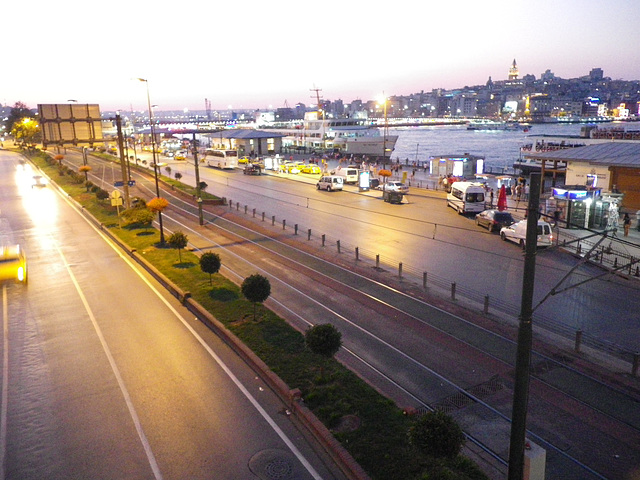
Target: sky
[[247, 54]]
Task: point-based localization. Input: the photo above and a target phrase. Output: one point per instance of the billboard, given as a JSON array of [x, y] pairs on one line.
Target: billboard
[[64, 124]]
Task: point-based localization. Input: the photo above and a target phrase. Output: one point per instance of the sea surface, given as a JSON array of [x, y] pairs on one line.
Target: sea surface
[[500, 148]]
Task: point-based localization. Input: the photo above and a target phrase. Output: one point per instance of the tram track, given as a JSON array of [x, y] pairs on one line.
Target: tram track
[[315, 274], [299, 268]]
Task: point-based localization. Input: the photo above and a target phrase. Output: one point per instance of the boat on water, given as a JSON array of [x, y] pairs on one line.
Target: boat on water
[[356, 137], [489, 125], [589, 135]]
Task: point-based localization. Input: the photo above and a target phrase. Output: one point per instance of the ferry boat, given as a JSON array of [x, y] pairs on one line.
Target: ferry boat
[[486, 124], [355, 137], [589, 135]]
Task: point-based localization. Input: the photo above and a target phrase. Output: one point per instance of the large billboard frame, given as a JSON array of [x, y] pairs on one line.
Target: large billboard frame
[[70, 124]]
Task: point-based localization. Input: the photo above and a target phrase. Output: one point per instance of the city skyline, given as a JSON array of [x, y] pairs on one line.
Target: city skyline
[[272, 54]]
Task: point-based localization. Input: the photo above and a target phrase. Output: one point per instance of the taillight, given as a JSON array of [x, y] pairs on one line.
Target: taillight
[[21, 274]]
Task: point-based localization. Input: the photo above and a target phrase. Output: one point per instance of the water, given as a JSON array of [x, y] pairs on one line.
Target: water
[[500, 148]]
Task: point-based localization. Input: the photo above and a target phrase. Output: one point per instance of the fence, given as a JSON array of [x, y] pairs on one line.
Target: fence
[[606, 256]]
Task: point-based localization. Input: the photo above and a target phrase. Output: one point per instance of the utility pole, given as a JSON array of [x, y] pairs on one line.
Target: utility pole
[[525, 337], [198, 192], [123, 165]]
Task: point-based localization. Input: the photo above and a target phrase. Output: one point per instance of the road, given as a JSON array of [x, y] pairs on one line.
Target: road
[[105, 375], [420, 355], [426, 236]]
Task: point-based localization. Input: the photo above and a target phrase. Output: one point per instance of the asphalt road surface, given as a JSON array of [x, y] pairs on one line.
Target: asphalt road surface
[[104, 375]]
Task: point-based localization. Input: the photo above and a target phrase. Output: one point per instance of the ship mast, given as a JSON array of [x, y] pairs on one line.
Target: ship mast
[[318, 103]]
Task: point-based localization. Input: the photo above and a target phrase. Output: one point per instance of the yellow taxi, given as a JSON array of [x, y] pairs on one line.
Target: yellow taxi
[[246, 160], [313, 169], [290, 167], [13, 264]]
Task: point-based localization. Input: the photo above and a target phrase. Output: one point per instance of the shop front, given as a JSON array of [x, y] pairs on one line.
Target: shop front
[[580, 207]]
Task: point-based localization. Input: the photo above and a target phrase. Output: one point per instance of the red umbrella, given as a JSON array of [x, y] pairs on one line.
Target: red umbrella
[[502, 198]]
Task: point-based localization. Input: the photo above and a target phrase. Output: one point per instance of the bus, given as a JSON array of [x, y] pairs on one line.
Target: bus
[[466, 197], [222, 158]]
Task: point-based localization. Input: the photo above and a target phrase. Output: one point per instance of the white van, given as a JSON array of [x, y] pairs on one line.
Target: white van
[[349, 174], [517, 233], [330, 182], [466, 197]]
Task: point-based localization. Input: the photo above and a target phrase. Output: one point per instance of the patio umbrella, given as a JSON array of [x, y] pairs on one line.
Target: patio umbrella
[[502, 198]]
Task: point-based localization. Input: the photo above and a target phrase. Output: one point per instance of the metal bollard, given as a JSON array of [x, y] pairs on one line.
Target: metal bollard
[[400, 270], [424, 280], [254, 213], [338, 244], [453, 291], [323, 239], [357, 254], [246, 207], [309, 234], [378, 261], [578, 341], [273, 219], [295, 229], [486, 304], [263, 216], [230, 203], [237, 206], [284, 224]]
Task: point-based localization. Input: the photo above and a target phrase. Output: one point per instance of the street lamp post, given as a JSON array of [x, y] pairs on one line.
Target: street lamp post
[[383, 99], [153, 151]]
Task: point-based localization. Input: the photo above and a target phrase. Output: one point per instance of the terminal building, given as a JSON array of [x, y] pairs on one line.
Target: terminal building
[[597, 178]]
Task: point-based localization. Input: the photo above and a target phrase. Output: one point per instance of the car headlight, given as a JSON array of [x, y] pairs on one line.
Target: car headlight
[[21, 273]]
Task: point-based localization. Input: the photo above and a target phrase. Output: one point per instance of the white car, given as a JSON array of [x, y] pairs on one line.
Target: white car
[[517, 233], [394, 186]]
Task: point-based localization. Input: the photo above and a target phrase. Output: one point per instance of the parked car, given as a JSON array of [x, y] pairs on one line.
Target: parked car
[[330, 182], [313, 169], [517, 233], [494, 220], [13, 264], [394, 186], [289, 167]]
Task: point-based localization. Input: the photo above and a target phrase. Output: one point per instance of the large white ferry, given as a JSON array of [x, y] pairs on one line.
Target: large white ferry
[[347, 136]]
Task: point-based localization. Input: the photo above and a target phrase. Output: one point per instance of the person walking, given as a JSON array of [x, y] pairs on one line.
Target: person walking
[[626, 222]]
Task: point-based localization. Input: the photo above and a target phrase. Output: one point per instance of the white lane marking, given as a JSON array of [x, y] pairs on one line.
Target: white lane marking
[[213, 355], [5, 381], [228, 371], [125, 393]]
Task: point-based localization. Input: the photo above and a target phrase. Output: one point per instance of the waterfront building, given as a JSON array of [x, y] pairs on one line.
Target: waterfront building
[[596, 177]]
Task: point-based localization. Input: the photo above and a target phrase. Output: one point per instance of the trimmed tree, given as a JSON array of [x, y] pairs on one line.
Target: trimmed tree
[[157, 204], [437, 434], [385, 174], [323, 339], [85, 169], [210, 263], [137, 216], [178, 240], [256, 288]]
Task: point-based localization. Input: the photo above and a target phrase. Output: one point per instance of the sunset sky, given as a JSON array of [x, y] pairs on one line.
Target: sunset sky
[[261, 54]]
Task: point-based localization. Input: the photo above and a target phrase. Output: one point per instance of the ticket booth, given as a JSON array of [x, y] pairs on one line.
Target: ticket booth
[[578, 207]]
